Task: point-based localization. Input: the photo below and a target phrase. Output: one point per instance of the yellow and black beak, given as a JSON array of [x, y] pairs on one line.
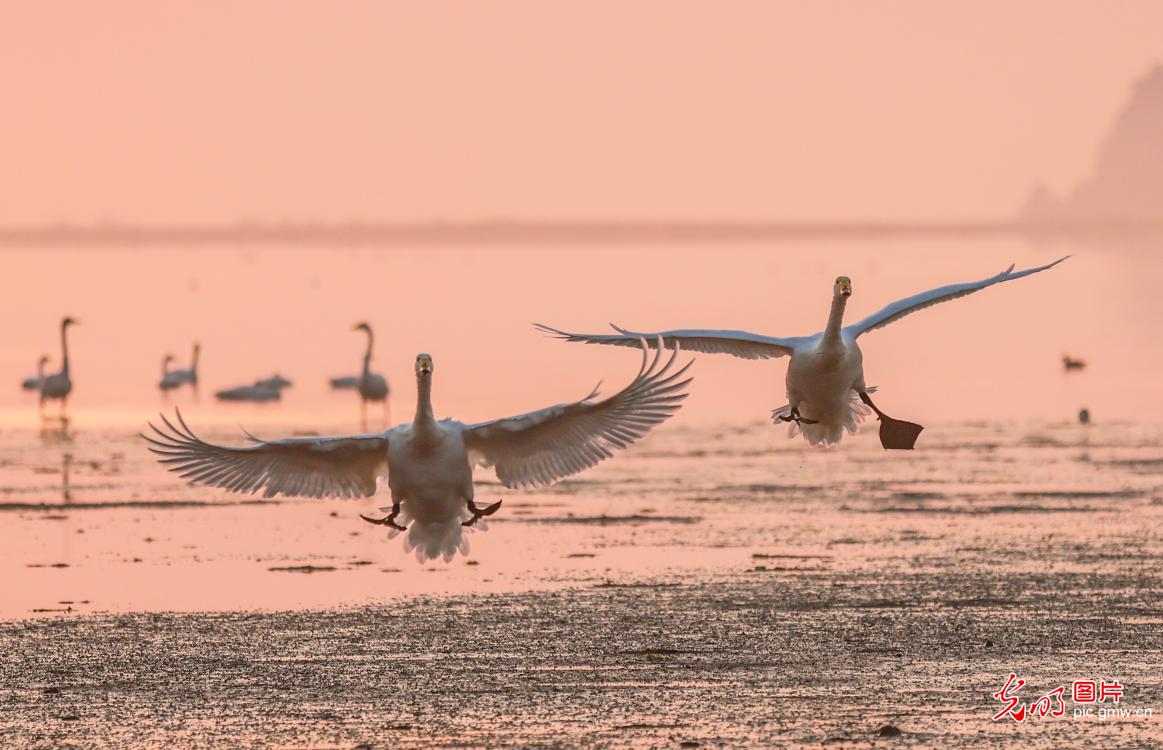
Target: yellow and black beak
[[424, 364], [846, 288]]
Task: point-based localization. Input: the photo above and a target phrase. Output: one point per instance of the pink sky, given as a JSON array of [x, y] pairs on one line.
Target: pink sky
[[189, 111]]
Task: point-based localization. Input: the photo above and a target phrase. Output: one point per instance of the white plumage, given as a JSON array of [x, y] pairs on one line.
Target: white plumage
[[825, 378], [429, 463]]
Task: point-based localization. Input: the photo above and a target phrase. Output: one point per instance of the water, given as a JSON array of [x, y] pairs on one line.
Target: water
[[93, 524]]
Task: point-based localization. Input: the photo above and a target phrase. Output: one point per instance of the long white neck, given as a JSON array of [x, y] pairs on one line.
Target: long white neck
[[835, 320], [40, 367], [165, 367], [194, 359], [425, 423], [64, 349], [367, 357]]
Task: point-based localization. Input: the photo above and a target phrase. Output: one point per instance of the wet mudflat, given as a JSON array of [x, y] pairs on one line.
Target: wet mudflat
[[763, 595], [764, 658]]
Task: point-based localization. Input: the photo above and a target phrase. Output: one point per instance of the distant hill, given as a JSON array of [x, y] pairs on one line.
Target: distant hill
[[1127, 182]]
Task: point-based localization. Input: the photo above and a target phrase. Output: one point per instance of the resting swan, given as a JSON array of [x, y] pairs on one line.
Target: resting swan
[[429, 463], [825, 379]]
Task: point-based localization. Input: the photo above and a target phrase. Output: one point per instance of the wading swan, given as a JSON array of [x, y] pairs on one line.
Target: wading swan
[[59, 385]]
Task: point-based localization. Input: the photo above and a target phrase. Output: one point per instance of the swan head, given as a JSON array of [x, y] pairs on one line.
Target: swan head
[[423, 366], [69, 322], [362, 327], [42, 361], [842, 288], [167, 359]]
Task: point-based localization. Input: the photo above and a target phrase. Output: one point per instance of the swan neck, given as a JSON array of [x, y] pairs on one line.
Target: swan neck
[[835, 319], [64, 349], [424, 423], [194, 359], [367, 356], [40, 368]]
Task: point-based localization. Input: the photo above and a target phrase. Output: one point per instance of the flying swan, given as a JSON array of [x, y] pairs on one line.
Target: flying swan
[[429, 463], [825, 379]]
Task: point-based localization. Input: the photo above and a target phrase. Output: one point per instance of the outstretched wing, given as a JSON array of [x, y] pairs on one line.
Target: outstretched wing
[[303, 467], [736, 343], [898, 310], [541, 447]]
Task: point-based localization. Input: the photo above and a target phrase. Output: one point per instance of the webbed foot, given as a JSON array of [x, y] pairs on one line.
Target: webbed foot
[[895, 434], [389, 520], [794, 416], [478, 512]]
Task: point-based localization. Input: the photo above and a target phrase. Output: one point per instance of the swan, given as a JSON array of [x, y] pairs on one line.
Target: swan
[[33, 384], [276, 382], [429, 463], [175, 378], [257, 393], [59, 385], [825, 379], [170, 379], [372, 386]]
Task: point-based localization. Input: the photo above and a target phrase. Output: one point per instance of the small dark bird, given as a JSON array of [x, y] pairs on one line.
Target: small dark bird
[[1069, 363]]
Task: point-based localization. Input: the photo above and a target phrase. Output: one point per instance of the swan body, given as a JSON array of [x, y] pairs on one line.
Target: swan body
[[59, 385], [170, 378], [257, 393], [827, 395], [33, 384], [345, 383], [276, 382], [429, 463]]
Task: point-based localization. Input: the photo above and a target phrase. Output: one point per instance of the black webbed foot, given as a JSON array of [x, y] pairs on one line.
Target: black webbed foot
[[895, 434], [389, 520], [795, 416], [478, 512]]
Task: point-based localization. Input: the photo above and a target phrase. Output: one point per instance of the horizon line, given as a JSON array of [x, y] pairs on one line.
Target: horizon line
[[441, 232]]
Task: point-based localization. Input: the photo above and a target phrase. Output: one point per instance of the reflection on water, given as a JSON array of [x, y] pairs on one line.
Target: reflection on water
[[96, 523]]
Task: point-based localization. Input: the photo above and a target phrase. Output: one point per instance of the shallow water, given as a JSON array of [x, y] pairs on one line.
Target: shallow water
[[93, 524]]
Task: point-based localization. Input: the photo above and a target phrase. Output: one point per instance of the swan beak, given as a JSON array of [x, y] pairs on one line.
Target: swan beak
[[846, 290]]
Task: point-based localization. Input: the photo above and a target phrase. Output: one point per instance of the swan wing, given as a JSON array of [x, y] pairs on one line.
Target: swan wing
[[908, 305], [736, 343], [296, 467], [541, 447]]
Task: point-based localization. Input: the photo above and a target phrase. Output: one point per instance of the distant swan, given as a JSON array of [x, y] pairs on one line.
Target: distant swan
[[372, 386], [276, 381], [33, 384], [825, 380], [59, 385], [267, 389], [174, 378], [429, 463]]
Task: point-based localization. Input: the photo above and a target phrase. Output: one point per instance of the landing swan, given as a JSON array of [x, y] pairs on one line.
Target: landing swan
[[825, 379], [429, 463]]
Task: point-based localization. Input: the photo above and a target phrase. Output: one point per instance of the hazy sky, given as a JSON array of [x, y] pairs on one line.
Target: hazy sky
[[206, 111]]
